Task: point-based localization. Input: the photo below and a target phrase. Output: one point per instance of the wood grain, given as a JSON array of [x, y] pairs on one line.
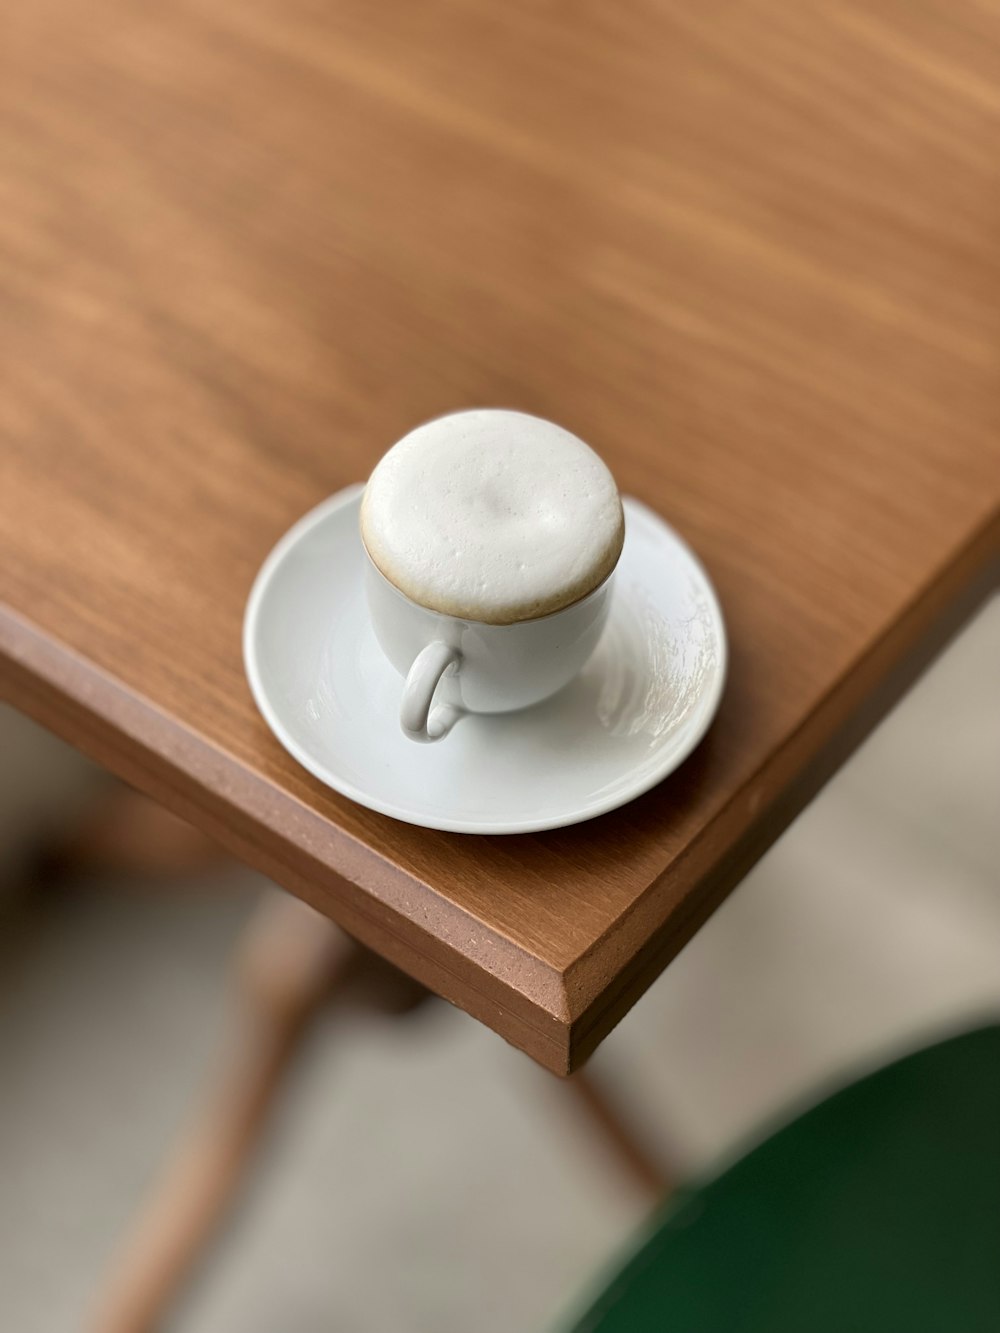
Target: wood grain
[[748, 251]]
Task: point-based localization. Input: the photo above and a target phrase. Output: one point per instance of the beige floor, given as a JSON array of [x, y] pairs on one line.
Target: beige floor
[[423, 1176]]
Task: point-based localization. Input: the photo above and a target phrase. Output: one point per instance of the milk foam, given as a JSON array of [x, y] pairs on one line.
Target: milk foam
[[492, 515]]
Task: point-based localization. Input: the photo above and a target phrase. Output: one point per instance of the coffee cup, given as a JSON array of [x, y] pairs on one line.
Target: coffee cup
[[491, 540]]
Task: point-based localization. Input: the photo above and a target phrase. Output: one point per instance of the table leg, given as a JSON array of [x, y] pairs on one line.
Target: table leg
[[648, 1169], [288, 961], [122, 832]]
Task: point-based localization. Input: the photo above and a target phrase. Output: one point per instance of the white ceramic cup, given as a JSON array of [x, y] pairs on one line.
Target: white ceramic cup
[[455, 666]]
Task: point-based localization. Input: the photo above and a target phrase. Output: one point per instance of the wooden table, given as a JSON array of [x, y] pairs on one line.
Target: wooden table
[[751, 252]]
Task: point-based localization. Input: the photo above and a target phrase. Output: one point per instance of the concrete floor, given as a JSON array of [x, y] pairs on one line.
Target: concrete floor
[[422, 1176]]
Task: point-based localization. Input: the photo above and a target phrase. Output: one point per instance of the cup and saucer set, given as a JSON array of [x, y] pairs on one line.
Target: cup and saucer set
[[449, 721]]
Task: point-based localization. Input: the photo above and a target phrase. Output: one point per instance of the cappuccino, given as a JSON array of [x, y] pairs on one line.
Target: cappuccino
[[492, 516]]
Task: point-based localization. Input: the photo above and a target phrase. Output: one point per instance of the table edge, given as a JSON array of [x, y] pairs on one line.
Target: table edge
[[479, 970], [558, 1018], [698, 881]]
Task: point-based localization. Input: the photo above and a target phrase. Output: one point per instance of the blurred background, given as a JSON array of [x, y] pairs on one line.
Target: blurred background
[[364, 1210]]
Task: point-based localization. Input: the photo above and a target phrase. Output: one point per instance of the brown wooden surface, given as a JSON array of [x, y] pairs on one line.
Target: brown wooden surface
[[751, 252]]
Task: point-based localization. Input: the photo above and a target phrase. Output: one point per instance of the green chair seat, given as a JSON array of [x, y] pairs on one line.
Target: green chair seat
[[878, 1211]]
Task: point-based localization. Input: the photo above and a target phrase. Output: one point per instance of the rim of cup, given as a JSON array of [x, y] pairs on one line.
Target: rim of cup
[[491, 624]]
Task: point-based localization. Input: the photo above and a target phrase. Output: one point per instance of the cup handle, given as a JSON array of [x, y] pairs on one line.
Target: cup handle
[[416, 716]]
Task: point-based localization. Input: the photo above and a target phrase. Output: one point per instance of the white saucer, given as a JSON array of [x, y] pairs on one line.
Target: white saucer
[[638, 708]]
